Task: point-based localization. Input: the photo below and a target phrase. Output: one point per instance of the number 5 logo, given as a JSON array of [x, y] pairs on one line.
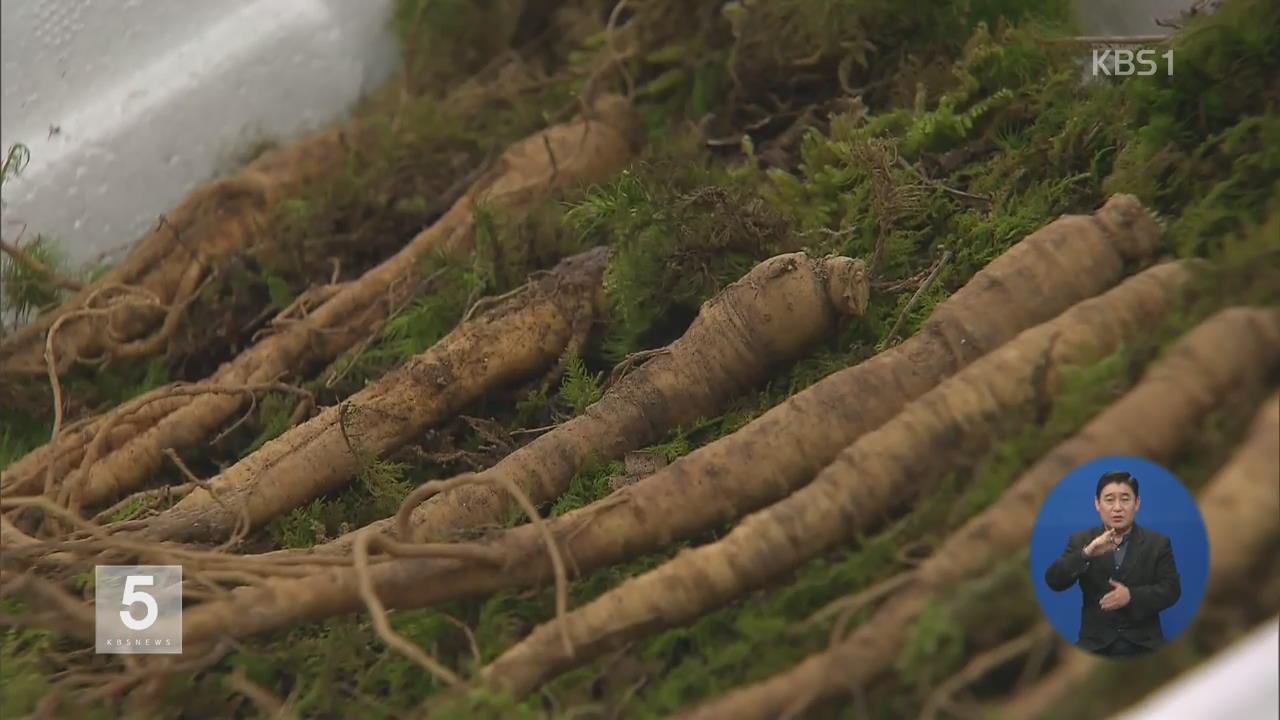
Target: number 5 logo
[[137, 609], [132, 596]]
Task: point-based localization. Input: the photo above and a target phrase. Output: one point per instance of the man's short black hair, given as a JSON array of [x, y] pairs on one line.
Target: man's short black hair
[[1116, 476]]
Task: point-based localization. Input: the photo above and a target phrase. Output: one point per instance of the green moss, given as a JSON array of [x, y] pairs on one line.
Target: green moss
[[865, 45], [341, 664], [18, 435], [380, 487], [415, 329], [678, 444], [1203, 141], [579, 388], [482, 703], [274, 412], [25, 291], [681, 230], [532, 407], [301, 527], [23, 670], [934, 646], [589, 484], [386, 483], [445, 41], [26, 406], [131, 509]]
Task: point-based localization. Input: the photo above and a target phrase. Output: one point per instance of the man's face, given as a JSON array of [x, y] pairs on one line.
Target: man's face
[[1117, 505]]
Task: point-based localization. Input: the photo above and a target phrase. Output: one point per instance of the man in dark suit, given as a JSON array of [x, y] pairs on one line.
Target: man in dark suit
[[1126, 574]]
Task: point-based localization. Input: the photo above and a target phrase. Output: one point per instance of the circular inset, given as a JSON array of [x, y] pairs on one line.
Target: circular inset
[[1119, 556]]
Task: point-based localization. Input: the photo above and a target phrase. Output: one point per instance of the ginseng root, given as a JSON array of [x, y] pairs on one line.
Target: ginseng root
[[772, 315], [1152, 420], [1071, 259], [512, 341], [883, 470], [586, 150]]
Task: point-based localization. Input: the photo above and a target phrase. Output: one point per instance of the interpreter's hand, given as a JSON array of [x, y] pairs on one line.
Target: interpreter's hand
[[1101, 545], [1116, 599]]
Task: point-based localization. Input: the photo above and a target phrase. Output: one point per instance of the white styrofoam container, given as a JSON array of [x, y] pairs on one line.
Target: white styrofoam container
[[127, 105], [1239, 682]]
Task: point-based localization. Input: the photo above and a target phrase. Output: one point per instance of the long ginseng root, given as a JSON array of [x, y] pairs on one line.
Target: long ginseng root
[[1071, 259], [765, 320], [884, 469], [513, 341], [1153, 420], [587, 150]]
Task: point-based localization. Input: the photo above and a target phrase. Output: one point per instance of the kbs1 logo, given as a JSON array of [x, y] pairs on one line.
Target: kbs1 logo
[[1123, 62]]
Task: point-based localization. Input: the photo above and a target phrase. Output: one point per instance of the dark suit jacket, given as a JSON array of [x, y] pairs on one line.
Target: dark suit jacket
[[1148, 571]]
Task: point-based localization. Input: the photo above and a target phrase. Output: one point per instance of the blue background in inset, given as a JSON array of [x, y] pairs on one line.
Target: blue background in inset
[[1167, 506]]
